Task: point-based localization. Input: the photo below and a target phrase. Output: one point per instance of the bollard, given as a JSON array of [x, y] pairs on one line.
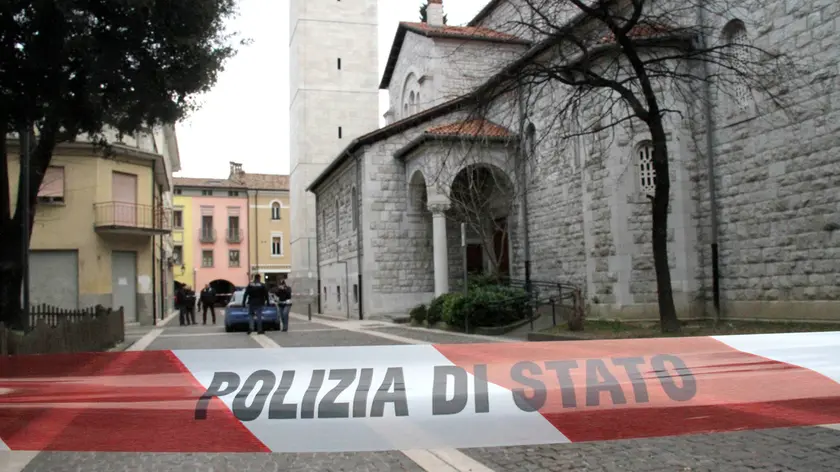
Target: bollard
[[309, 309], [531, 315], [553, 313]]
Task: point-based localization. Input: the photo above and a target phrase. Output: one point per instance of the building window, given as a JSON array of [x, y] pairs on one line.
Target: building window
[[233, 228], [412, 105], [178, 191], [325, 294], [339, 63], [52, 186], [233, 258], [337, 225], [233, 193], [647, 176], [276, 245], [207, 258], [275, 210], [355, 208], [531, 140], [177, 255], [339, 132], [356, 294], [338, 294], [735, 35], [207, 193], [178, 219]]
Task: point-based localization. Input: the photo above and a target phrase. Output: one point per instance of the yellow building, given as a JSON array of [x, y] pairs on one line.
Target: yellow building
[[268, 223], [101, 232], [182, 239]]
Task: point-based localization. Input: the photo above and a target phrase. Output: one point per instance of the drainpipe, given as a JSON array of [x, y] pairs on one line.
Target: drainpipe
[[317, 256], [154, 244], [710, 164], [248, 242], [358, 215], [257, 229], [523, 184]]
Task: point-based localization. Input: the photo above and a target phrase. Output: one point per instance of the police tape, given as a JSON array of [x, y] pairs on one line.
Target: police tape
[[345, 399]]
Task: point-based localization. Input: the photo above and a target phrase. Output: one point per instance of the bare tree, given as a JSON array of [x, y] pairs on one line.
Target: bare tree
[[600, 68]]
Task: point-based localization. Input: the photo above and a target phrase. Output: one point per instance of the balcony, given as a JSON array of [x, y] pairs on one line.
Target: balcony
[[234, 235], [131, 218], [207, 235]]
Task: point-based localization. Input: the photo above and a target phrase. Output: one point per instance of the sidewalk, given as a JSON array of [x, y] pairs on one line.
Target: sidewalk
[[135, 332]]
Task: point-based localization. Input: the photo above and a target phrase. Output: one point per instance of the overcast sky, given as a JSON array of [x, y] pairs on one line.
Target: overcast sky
[[245, 118]]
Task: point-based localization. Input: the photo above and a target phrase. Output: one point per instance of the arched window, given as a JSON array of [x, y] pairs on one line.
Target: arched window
[[738, 56], [644, 161], [531, 140], [275, 210], [355, 207]]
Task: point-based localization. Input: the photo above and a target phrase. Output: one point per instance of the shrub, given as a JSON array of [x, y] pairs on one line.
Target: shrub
[[491, 305], [478, 281], [418, 313], [435, 311]]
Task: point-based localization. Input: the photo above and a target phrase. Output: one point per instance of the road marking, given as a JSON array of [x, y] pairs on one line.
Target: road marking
[[190, 335], [264, 341], [832, 426], [14, 461], [431, 460], [360, 327], [144, 342]]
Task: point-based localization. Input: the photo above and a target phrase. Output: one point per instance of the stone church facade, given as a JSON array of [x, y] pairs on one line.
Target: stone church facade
[[577, 211]]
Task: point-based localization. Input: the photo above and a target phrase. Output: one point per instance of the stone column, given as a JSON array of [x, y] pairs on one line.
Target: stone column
[[441, 256]]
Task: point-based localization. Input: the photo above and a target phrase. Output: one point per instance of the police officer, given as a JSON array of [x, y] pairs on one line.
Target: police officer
[[256, 296]]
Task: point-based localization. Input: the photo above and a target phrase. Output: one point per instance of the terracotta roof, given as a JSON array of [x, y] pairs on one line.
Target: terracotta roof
[[473, 128], [200, 182], [467, 32], [266, 181], [248, 181], [471, 33], [639, 32]]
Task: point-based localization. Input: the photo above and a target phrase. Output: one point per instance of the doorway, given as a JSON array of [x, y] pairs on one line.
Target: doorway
[[501, 246], [124, 283]]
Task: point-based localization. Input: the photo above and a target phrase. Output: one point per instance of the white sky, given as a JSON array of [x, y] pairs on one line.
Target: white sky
[[245, 118]]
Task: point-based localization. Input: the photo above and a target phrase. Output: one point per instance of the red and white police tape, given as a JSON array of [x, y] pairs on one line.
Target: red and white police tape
[[343, 399]]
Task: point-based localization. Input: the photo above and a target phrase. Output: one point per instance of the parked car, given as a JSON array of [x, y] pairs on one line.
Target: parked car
[[236, 314]]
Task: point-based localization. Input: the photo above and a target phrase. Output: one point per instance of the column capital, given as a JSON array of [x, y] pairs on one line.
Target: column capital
[[438, 207]]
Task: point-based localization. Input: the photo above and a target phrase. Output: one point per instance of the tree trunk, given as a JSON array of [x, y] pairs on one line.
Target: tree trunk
[[667, 311], [11, 276]]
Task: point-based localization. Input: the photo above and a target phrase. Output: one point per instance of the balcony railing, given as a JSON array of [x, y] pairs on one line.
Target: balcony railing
[[207, 235], [122, 217], [234, 235]]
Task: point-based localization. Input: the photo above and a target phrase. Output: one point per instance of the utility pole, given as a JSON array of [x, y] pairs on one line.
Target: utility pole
[[25, 211]]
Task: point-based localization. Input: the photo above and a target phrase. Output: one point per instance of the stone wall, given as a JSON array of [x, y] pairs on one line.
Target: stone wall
[[777, 176], [337, 246]]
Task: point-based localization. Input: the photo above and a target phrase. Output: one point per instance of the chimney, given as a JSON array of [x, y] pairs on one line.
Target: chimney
[[236, 171], [434, 13]]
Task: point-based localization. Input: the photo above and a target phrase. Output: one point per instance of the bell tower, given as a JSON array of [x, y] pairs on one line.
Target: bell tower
[[334, 69]]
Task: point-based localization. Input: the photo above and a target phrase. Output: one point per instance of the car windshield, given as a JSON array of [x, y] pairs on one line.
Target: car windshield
[[236, 299]]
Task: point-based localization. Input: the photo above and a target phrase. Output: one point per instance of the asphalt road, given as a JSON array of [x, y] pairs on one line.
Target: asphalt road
[[809, 449]]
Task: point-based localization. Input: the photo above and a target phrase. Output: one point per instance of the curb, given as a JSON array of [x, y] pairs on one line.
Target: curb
[[555, 337]]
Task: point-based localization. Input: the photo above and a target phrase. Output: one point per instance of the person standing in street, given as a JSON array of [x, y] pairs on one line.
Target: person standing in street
[[256, 296], [181, 304], [207, 299], [190, 302], [284, 295]]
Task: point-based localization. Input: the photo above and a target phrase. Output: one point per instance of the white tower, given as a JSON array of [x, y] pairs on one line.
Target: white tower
[[333, 67]]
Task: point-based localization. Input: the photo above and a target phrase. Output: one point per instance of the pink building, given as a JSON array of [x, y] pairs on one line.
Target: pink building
[[220, 229]]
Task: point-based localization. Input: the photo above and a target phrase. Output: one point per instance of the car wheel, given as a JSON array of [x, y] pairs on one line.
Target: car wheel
[[228, 328]]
